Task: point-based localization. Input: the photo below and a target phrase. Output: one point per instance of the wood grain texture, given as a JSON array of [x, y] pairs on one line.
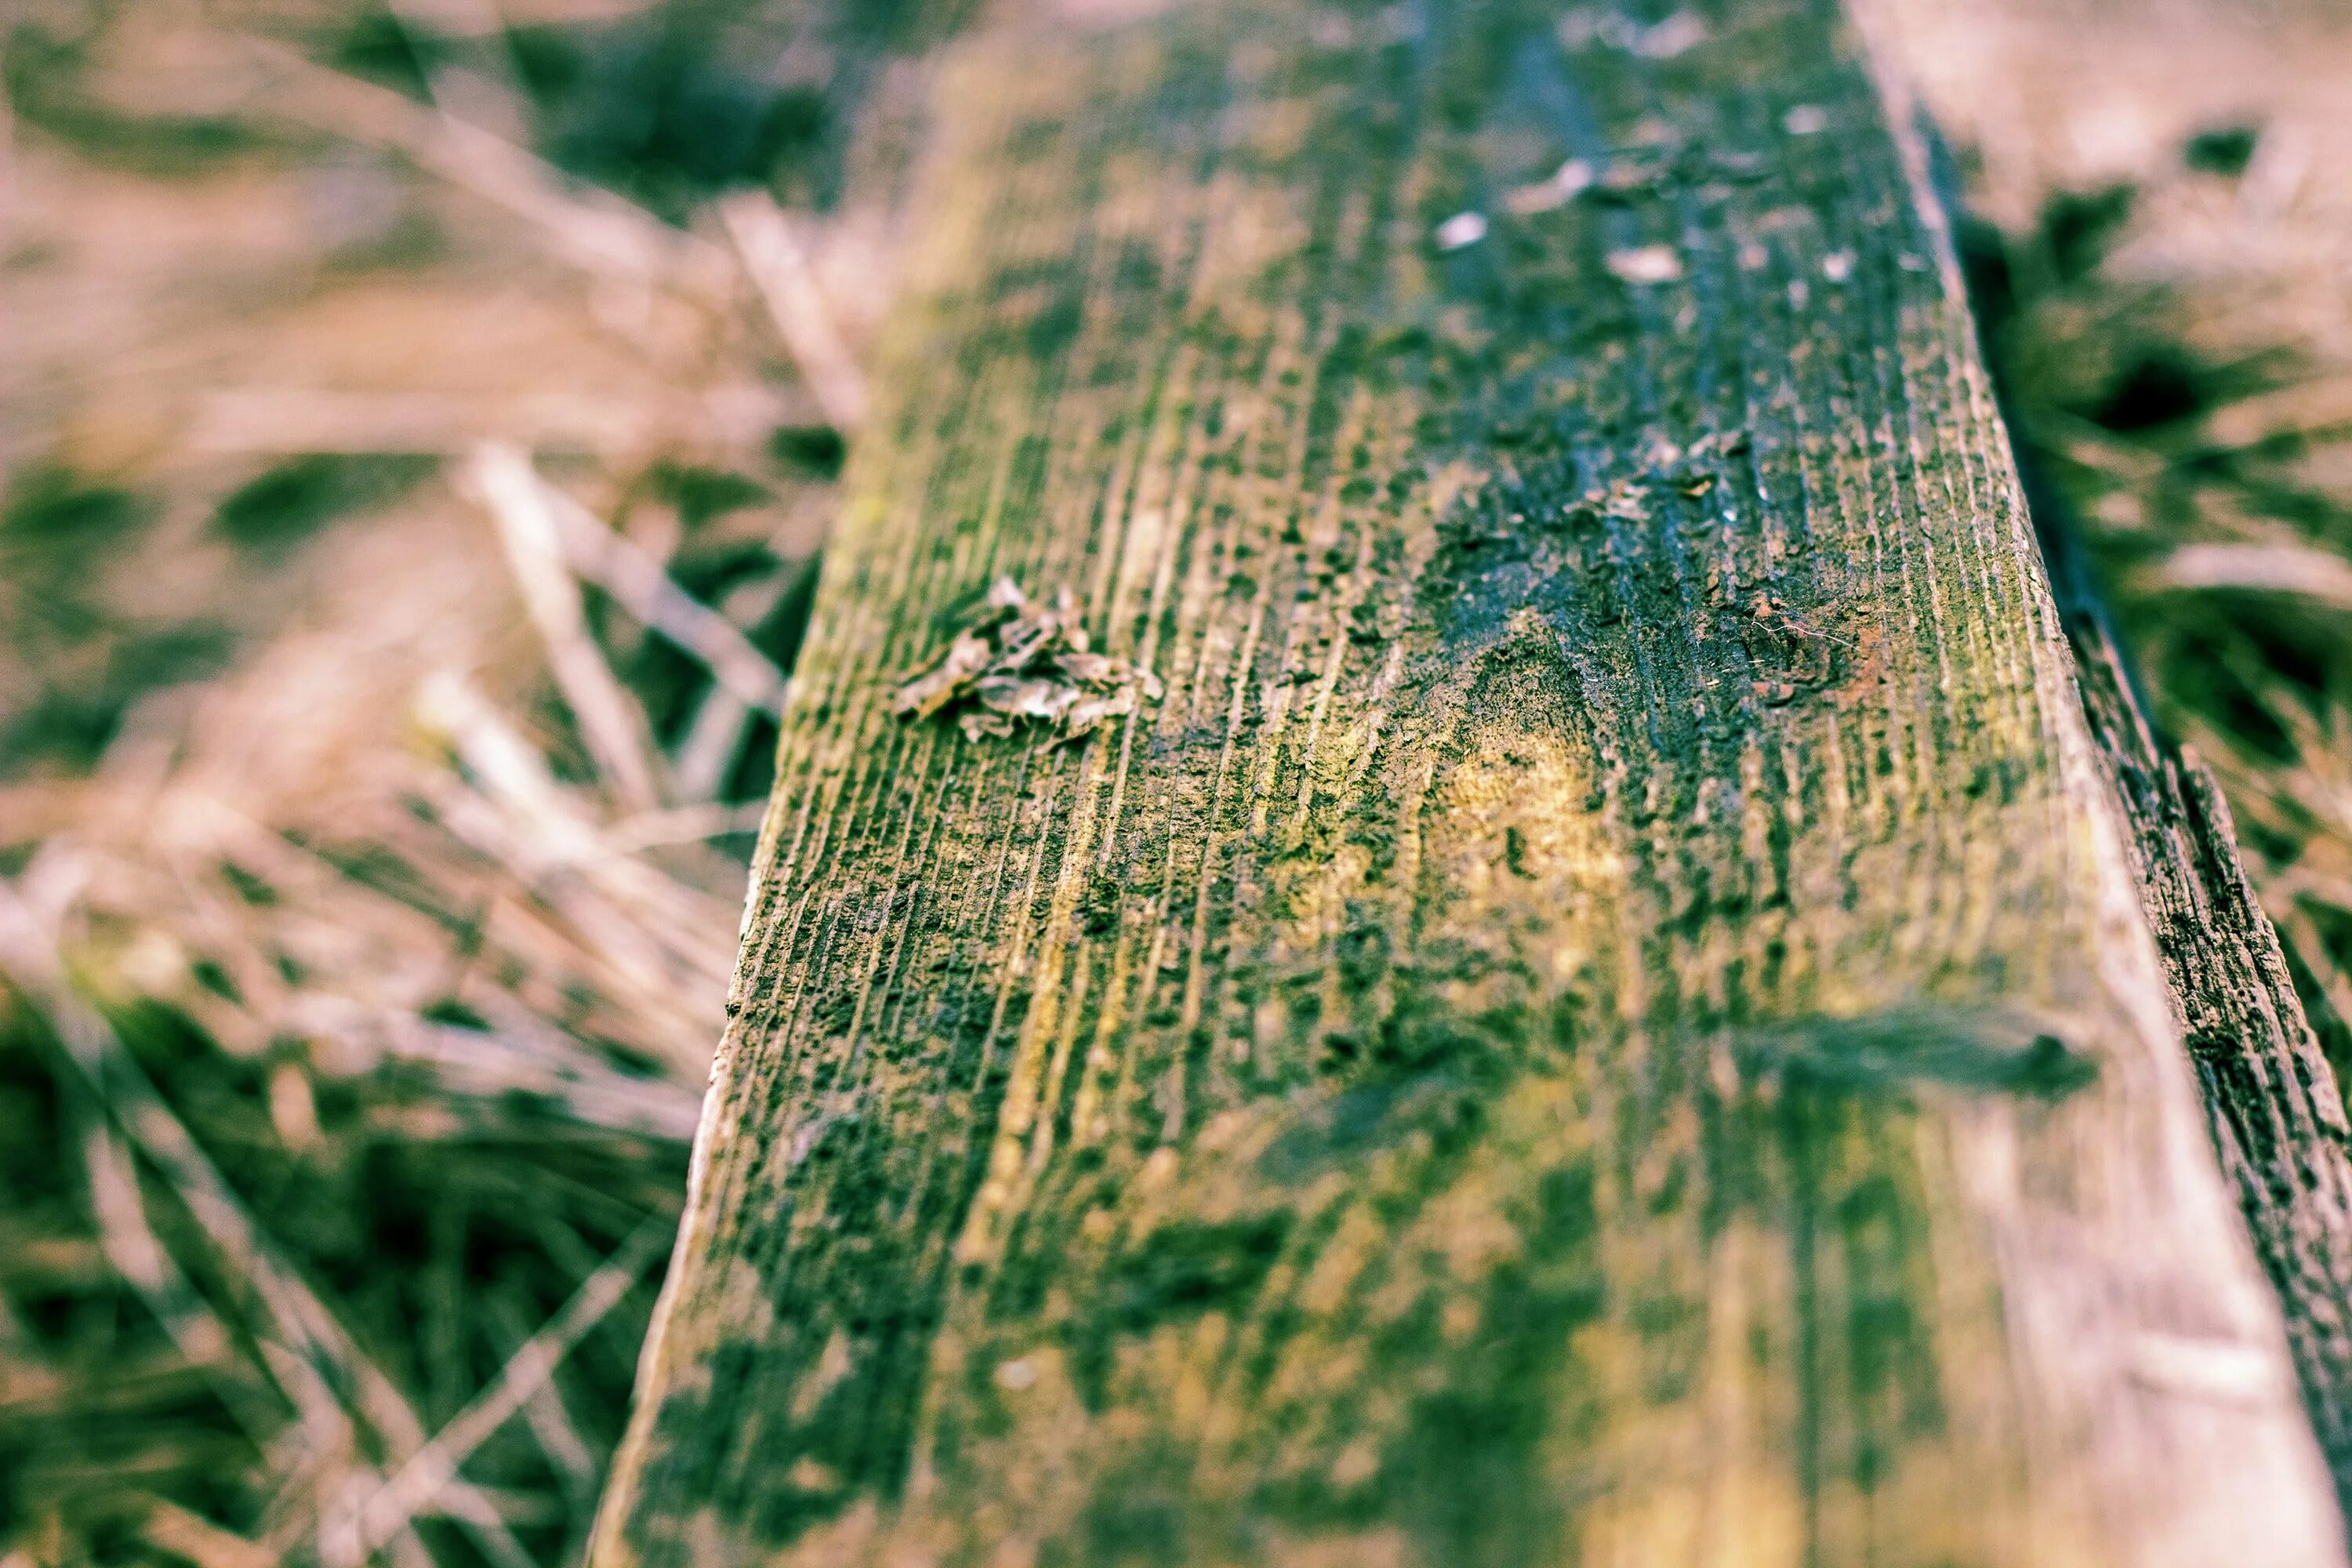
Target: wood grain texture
[[2274, 1106], [1607, 1016]]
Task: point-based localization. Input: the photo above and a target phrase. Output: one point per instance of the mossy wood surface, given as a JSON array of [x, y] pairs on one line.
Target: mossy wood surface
[[1606, 1016]]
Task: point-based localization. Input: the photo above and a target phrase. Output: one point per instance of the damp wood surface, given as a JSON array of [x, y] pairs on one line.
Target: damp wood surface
[[1610, 1012]]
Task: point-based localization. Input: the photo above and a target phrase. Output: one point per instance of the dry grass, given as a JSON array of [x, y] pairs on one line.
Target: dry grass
[[414, 485], [419, 422]]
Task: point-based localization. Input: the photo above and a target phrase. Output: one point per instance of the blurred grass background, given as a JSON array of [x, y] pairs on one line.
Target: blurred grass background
[[420, 419]]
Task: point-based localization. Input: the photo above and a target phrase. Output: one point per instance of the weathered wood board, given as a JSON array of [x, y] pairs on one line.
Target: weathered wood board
[[1606, 1015]]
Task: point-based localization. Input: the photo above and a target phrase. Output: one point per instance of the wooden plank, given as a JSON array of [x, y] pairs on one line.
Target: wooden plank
[[2276, 1107], [1605, 1016], [2273, 1103]]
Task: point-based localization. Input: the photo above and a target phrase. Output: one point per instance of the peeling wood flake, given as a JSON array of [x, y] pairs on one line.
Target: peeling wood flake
[[1646, 263], [1023, 660]]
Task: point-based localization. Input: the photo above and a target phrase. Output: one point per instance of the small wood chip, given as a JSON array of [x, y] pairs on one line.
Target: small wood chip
[[1021, 659], [1677, 34], [1648, 264], [1569, 181], [1461, 231]]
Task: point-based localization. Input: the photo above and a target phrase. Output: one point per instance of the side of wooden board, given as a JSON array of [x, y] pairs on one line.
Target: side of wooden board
[[2273, 1103], [1605, 1015]]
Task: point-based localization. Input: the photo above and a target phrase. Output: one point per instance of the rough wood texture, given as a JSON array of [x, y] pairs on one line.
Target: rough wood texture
[[2275, 1110], [1607, 1016]]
